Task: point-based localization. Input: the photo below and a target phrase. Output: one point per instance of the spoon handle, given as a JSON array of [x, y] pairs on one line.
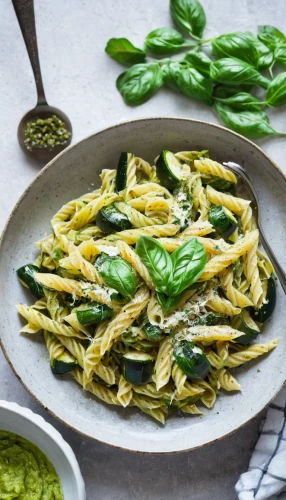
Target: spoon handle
[[26, 17], [278, 269]]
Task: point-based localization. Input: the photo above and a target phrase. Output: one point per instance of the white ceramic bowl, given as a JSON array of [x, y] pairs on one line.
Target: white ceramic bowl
[[22, 421], [70, 175]]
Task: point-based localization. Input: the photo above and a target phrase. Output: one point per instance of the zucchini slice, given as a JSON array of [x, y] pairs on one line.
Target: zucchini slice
[[110, 220], [191, 359], [73, 301], [94, 313], [266, 310], [168, 169], [211, 319], [121, 174], [26, 275], [153, 332], [218, 183], [63, 364], [137, 367], [245, 323], [222, 220]]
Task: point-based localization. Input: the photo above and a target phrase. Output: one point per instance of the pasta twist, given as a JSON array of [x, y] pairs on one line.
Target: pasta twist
[[252, 273], [136, 218], [220, 262], [107, 181], [128, 254], [227, 381], [131, 236], [163, 365], [235, 296], [124, 393], [99, 390], [154, 311], [222, 305], [179, 377], [252, 352], [236, 205], [210, 167]]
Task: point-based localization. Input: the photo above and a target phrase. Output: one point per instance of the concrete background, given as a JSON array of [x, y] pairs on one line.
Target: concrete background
[[80, 79]]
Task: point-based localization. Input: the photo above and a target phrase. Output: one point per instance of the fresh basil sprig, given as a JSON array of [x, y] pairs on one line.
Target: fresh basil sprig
[[157, 260], [139, 83], [171, 275], [224, 81], [276, 92], [120, 275], [242, 101], [254, 123], [200, 61], [189, 15], [270, 36], [164, 41], [280, 55], [179, 75], [235, 72], [239, 45], [124, 51]]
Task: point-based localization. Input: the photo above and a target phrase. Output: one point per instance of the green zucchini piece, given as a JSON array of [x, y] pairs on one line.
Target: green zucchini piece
[[110, 220], [222, 220], [118, 297], [244, 323], [121, 174], [266, 310], [63, 364], [137, 367], [191, 359], [153, 332], [211, 319], [26, 275], [168, 169], [94, 313], [218, 183], [73, 301]]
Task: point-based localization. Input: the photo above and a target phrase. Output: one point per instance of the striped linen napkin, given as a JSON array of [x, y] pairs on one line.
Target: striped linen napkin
[[266, 475]]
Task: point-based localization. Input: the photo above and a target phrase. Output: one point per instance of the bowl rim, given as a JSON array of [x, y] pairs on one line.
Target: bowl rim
[[23, 196], [50, 433]]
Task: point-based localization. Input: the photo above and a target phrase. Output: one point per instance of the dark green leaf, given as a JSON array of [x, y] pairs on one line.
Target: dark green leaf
[[157, 260], [265, 55], [239, 45], [242, 101], [253, 124], [199, 61], [124, 51], [224, 91], [179, 75], [164, 41], [236, 72], [276, 92], [139, 83], [189, 15], [280, 55], [271, 36], [188, 262], [120, 275], [167, 303]]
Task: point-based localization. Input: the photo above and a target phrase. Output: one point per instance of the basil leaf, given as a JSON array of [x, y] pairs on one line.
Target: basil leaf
[[222, 92], [164, 41], [120, 275], [271, 36], [167, 303], [139, 83], [265, 55], [189, 15], [199, 61], [188, 262], [157, 260], [239, 45], [280, 55], [253, 124], [124, 51], [236, 72], [276, 92], [242, 101], [179, 75]]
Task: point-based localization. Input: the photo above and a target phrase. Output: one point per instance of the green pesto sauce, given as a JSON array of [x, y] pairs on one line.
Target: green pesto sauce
[[46, 133], [25, 471]]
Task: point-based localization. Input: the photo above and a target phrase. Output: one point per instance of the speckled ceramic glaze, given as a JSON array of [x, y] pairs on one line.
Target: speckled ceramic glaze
[[73, 173]]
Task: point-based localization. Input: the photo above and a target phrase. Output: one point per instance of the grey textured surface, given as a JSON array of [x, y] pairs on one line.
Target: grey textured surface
[[79, 78]]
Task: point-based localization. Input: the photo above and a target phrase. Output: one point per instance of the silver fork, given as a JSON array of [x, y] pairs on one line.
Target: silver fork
[[248, 184]]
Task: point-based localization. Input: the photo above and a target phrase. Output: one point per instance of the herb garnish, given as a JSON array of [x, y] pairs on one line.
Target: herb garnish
[[172, 274], [45, 133], [241, 61]]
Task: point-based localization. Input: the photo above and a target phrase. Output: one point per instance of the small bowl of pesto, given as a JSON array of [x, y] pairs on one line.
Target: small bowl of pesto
[[35, 461]]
